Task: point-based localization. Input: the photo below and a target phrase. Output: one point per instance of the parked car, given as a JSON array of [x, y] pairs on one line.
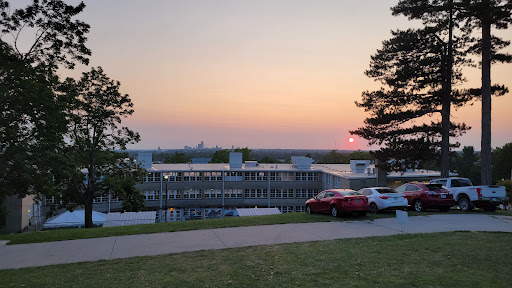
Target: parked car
[[421, 196], [468, 196], [384, 198], [338, 201]]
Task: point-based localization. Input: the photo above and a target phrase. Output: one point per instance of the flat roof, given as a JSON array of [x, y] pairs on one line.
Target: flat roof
[[341, 170]]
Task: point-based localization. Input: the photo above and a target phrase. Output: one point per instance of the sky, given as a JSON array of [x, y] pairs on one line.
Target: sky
[[257, 74]]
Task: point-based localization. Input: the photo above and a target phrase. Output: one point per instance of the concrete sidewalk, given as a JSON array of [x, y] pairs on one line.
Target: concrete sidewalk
[[71, 251]]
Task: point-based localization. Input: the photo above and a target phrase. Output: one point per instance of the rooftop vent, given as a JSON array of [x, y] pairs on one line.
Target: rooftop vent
[[235, 160], [302, 162], [145, 159], [358, 166], [251, 164]]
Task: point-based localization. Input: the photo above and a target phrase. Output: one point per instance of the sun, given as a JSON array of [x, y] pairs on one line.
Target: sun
[[351, 140]]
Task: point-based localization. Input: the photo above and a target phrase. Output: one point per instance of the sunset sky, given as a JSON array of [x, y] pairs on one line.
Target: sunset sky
[[257, 74]]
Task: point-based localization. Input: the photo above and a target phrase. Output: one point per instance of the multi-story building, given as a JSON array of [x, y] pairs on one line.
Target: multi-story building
[[182, 191]]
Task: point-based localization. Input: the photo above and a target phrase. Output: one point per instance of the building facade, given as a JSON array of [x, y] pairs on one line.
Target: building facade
[[186, 191]]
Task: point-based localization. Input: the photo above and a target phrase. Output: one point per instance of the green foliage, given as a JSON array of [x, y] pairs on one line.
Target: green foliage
[[334, 157], [412, 66], [467, 165], [33, 121], [59, 39], [121, 180], [502, 162], [177, 157], [268, 159], [222, 156], [508, 188], [360, 155], [96, 114], [246, 153]]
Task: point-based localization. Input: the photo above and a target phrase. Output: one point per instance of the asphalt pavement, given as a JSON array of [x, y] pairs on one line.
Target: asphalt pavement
[[83, 250]]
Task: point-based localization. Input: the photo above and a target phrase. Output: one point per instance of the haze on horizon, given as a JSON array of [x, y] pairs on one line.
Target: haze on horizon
[[257, 74]]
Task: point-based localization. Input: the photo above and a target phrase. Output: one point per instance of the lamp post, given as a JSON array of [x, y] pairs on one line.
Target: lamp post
[[166, 197]]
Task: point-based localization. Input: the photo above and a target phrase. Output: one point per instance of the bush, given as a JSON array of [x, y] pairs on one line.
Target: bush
[[508, 187]]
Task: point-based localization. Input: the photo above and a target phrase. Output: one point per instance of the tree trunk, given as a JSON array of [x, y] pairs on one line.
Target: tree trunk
[[88, 213], [446, 102], [485, 154]]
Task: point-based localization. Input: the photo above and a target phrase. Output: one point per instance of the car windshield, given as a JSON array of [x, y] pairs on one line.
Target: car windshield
[[349, 193], [383, 190]]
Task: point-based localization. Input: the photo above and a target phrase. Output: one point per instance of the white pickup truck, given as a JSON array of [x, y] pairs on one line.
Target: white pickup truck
[[468, 196]]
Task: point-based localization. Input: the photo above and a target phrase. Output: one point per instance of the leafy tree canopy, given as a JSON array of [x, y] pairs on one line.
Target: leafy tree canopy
[[177, 157]]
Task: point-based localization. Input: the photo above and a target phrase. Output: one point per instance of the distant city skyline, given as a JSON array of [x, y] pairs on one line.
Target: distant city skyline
[[257, 74]]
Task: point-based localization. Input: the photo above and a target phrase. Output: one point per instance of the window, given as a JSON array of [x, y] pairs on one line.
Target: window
[[329, 179], [401, 189], [256, 193], [412, 188], [213, 193], [336, 182], [171, 176], [233, 193], [233, 176], [320, 196], [50, 200], [192, 194]]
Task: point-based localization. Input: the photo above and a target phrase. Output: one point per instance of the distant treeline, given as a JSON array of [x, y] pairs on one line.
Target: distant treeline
[[260, 155]]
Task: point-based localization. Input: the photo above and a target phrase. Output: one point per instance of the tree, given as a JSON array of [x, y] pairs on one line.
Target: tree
[[471, 15], [120, 181], [334, 157], [178, 157], [360, 155], [96, 113], [222, 156], [33, 122], [413, 67], [466, 164], [485, 14], [268, 159], [502, 162]]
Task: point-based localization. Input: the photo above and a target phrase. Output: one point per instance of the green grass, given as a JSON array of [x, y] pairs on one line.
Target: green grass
[[455, 259], [69, 234]]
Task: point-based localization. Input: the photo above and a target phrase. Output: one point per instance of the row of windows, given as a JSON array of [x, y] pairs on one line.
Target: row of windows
[[230, 193], [98, 199], [231, 176]]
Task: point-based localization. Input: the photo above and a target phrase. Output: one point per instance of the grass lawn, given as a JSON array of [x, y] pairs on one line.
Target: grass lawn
[[454, 259], [69, 234]]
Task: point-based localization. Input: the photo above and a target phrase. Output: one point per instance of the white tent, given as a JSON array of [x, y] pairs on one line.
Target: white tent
[[74, 219], [129, 218]]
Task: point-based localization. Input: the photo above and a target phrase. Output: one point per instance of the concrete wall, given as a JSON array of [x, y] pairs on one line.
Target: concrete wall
[[17, 213]]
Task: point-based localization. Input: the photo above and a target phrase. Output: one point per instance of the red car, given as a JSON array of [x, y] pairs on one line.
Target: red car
[[337, 201], [421, 196]]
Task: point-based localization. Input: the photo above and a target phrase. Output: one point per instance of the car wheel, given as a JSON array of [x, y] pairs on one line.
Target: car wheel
[[418, 205], [334, 211], [308, 209], [373, 208], [464, 204]]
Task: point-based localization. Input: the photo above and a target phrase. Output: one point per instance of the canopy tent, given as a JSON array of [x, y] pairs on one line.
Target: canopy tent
[[74, 219], [242, 212], [129, 218]]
